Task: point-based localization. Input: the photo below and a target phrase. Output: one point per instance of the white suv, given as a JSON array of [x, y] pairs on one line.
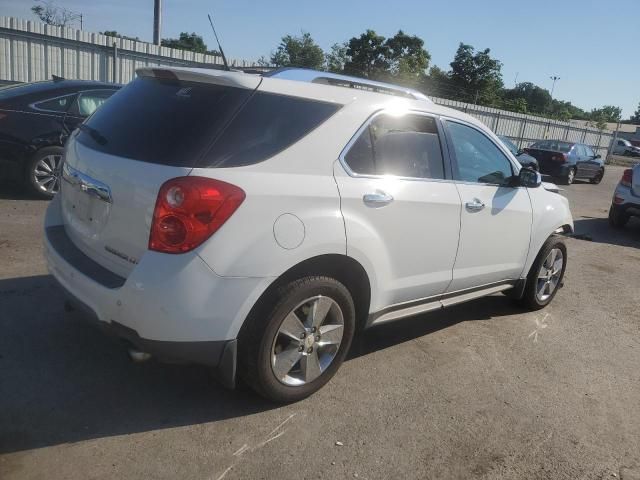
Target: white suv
[[255, 223]]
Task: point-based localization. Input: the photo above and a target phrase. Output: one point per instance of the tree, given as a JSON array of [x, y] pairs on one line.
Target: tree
[[407, 59], [476, 75], [367, 56], [538, 99], [336, 58], [635, 118], [52, 14], [188, 41], [300, 51], [608, 113]]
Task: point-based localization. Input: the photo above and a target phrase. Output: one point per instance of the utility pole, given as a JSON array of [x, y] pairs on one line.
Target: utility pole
[[157, 21], [515, 81], [555, 79]]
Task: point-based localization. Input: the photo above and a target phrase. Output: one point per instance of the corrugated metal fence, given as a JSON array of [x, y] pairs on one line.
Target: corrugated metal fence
[[526, 129], [31, 51]]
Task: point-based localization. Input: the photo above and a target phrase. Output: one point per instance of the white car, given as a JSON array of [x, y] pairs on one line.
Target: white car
[[255, 223]]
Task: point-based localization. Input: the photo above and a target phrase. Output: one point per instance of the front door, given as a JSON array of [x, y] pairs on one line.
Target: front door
[[402, 217], [495, 219]]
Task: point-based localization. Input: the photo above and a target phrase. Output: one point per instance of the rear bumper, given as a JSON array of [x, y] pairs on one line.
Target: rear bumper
[[172, 306], [554, 169]]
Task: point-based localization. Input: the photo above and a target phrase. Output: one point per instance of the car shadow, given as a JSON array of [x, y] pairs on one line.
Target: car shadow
[[62, 380], [598, 230], [16, 191]]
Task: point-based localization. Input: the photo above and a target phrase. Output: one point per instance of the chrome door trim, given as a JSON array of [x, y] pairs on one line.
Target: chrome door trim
[[87, 184]]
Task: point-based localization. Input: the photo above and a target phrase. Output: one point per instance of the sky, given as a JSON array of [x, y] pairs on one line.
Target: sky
[[591, 46]]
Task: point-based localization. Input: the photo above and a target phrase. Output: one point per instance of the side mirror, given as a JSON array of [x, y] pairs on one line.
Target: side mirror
[[529, 178], [598, 156]]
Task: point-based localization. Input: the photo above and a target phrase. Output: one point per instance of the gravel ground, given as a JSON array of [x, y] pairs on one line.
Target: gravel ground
[[482, 390]]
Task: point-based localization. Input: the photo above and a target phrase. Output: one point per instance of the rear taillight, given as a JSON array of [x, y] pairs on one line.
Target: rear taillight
[[627, 178], [559, 157], [189, 210]]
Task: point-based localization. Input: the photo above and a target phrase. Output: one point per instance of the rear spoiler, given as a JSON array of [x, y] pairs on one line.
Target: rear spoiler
[[203, 75]]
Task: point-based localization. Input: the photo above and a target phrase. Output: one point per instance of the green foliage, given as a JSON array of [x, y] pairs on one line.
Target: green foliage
[[538, 99], [367, 56], [608, 113], [476, 75], [406, 57], [188, 41], [336, 59], [300, 51], [518, 105]]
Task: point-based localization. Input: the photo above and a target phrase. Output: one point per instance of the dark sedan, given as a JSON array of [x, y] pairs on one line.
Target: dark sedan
[[522, 157], [35, 121], [567, 160]]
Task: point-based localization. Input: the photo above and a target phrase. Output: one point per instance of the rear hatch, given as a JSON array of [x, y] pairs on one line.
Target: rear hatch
[[154, 129]]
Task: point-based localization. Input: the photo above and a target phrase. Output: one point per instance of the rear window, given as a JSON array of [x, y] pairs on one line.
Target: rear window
[[553, 145], [189, 124], [162, 121]]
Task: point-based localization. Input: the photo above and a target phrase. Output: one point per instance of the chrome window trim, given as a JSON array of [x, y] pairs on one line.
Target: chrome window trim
[[33, 105], [365, 125]]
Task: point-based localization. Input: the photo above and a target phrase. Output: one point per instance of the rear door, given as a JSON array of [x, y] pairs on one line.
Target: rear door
[[154, 129], [580, 156], [495, 219], [591, 163], [401, 214]]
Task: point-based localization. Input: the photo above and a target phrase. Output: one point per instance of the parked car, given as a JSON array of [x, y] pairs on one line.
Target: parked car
[[323, 206], [626, 198], [567, 160], [523, 158], [35, 121], [625, 147]]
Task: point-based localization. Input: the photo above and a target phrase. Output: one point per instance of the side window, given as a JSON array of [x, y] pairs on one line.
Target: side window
[[621, 143], [57, 105], [406, 146], [478, 158], [268, 124], [88, 102], [579, 151], [589, 152]]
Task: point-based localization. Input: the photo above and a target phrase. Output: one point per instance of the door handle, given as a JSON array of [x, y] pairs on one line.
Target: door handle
[[377, 200], [474, 205]]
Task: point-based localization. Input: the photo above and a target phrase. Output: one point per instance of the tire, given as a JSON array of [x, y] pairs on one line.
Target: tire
[[264, 348], [43, 172], [532, 299], [617, 218], [598, 178], [571, 175]]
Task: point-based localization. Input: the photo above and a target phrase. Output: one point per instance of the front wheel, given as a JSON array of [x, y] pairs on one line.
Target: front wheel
[[571, 176], [293, 349], [546, 274]]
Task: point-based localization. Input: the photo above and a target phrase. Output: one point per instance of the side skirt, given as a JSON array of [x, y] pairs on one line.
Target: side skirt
[[437, 302]]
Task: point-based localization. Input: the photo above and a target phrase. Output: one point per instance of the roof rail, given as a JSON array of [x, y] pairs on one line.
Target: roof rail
[[328, 78]]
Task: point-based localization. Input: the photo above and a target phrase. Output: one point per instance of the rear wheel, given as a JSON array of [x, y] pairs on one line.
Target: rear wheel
[[291, 350], [546, 274], [598, 178], [43, 172], [617, 217]]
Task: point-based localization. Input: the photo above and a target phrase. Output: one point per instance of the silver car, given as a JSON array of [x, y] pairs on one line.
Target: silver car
[[625, 147], [626, 198]]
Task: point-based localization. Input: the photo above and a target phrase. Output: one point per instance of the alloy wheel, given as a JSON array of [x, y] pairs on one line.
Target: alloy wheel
[[46, 173], [571, 176], [549, 274], [307, 341]]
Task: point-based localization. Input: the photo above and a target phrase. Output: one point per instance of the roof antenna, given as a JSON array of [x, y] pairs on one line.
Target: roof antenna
[[224, 59]]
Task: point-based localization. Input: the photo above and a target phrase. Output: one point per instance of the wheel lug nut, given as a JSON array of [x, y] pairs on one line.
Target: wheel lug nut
[[303, 335], [300, 348], [317, 338], [310, 350], [313, 329]]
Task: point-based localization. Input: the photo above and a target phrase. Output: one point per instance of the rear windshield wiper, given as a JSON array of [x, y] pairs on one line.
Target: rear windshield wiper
[[93, 133]]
